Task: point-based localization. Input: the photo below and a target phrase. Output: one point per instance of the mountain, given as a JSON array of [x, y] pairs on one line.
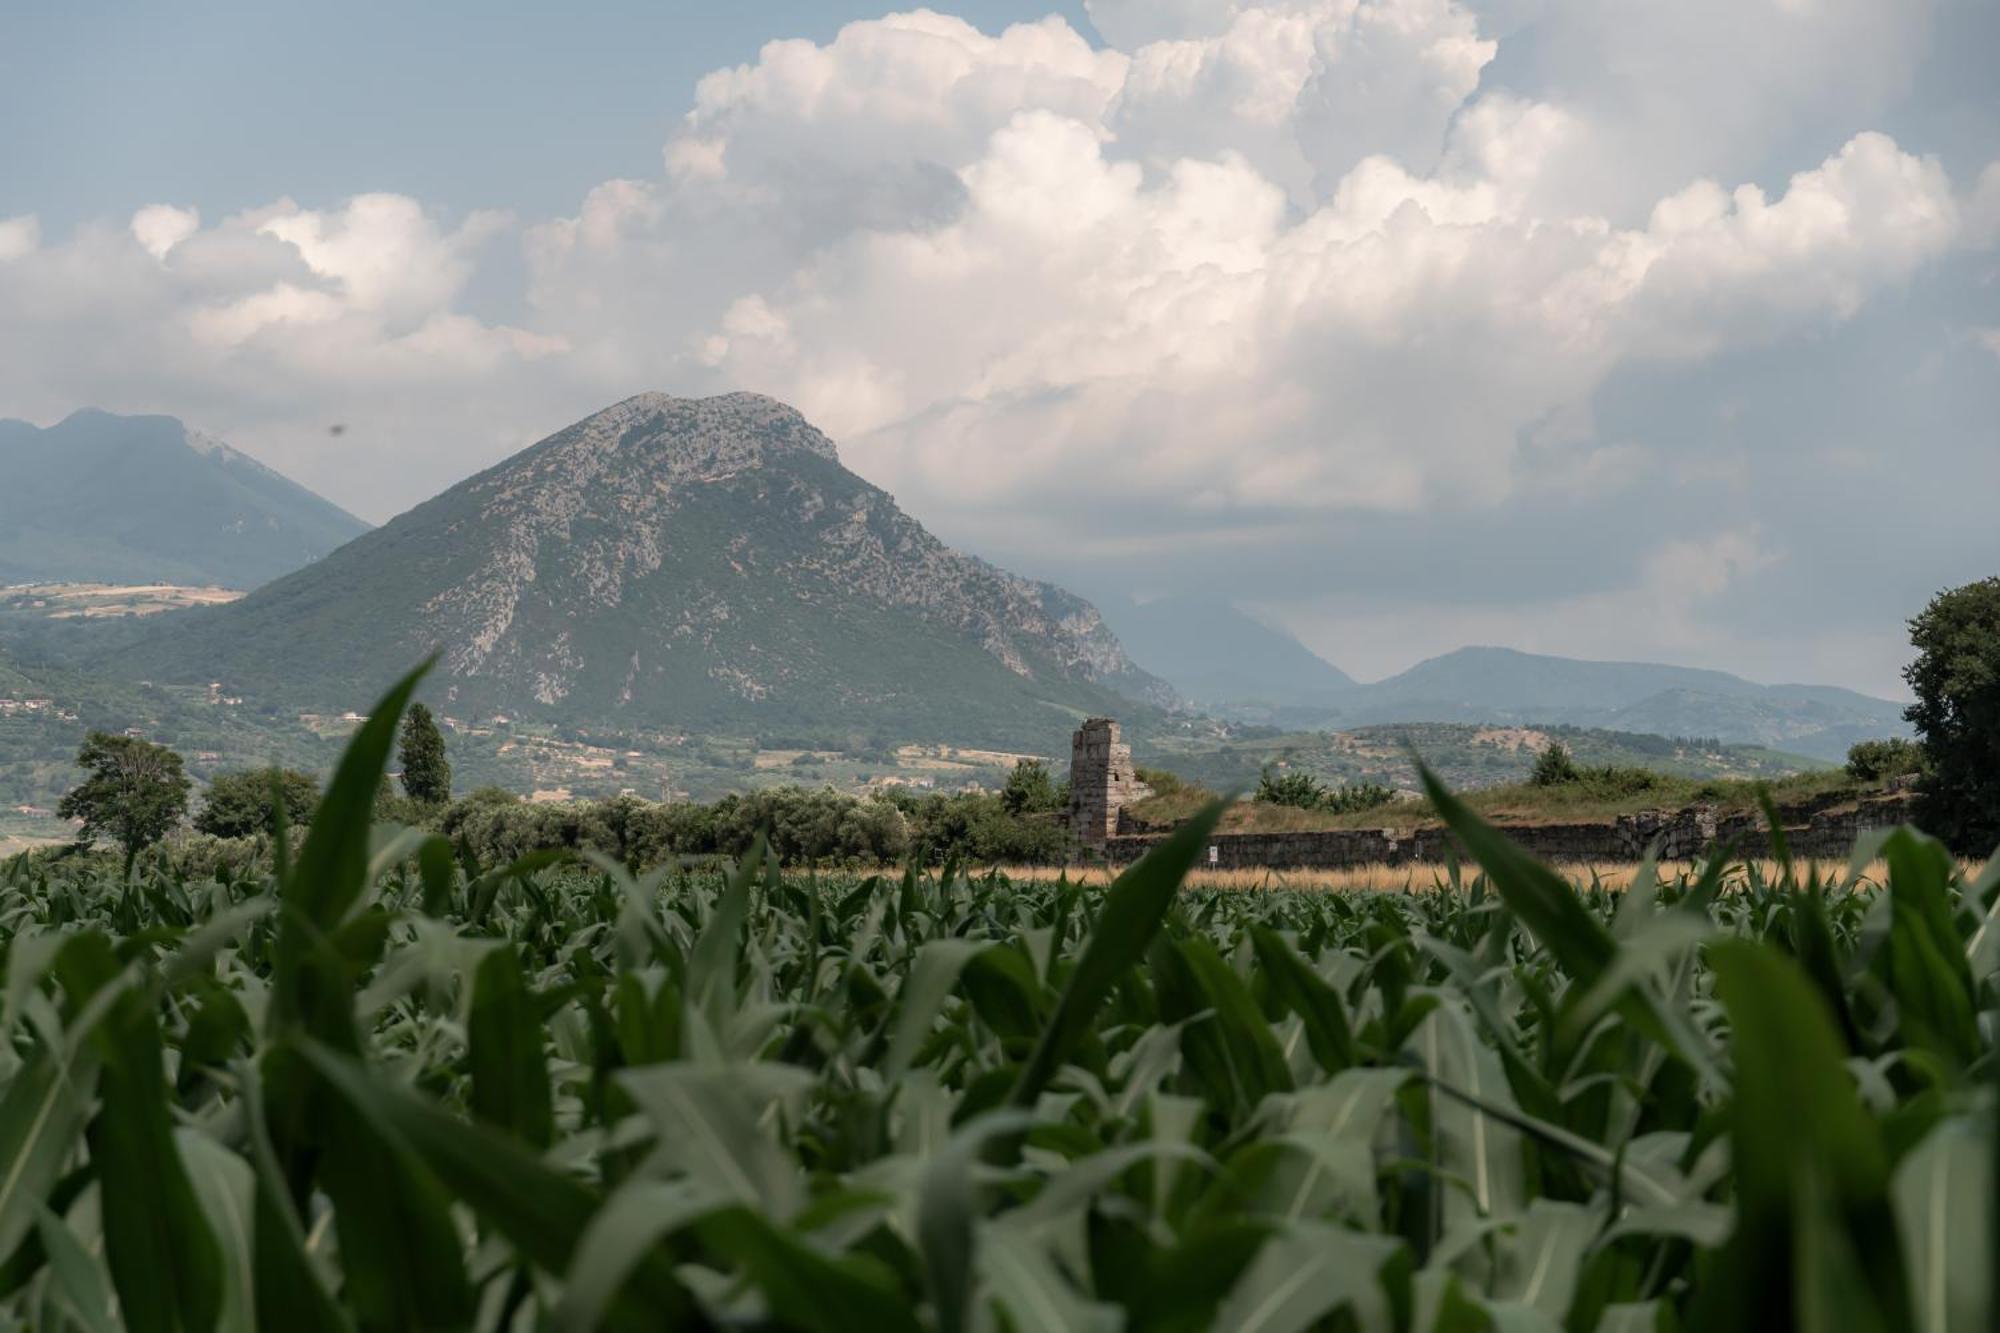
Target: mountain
[[100, 498], [1503, 685], [704, 566], [1214, 654]]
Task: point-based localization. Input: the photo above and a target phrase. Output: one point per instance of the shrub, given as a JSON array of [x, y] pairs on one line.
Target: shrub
[[1554, 767], [245, 803], [976, 827], [1305, 792], [1300, 790], [1873, 761], [807, 824], [1030, 790], [1356, 797]]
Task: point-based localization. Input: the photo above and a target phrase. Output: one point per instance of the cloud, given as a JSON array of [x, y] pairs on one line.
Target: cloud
[[270, 324], [160, 227], [1246, 278], [19, 236]]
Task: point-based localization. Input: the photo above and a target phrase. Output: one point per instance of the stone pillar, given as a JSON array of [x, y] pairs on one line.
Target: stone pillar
[[1102, 780]]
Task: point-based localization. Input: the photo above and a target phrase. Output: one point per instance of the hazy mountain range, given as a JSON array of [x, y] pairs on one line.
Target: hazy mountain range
[[709, 566], [111, 499], [1502, 685]]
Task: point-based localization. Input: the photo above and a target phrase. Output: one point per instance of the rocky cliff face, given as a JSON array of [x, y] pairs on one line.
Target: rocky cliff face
[[695, 562]]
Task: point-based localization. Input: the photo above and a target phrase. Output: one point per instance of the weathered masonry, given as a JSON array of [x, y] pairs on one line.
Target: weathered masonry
[[1680, 835], [1102, 781]]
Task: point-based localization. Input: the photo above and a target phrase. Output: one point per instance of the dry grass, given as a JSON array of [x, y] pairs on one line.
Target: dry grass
[[1416, 878]]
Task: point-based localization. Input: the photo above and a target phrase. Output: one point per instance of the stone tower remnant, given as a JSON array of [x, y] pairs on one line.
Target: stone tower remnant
[[1102, 780]]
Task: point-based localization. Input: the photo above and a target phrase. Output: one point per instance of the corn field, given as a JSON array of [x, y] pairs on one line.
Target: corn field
[[372, 1087]]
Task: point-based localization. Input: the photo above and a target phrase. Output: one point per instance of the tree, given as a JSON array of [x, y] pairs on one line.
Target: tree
[[136, 792], [1030, 790], [244, 804], [1554, 767], [426, 772], [1956, 678], [1872, 761]]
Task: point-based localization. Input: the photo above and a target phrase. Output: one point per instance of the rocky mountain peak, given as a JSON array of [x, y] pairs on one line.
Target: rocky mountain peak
[[684, 563], [677, 439]]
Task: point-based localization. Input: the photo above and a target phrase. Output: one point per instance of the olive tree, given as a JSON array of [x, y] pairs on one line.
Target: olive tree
[[242, 804], [135, 793]]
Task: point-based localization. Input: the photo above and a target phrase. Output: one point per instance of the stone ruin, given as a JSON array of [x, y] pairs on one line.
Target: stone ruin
[[1102, 781]]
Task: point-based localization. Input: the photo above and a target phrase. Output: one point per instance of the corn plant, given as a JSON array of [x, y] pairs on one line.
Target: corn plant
[[375, 1085]]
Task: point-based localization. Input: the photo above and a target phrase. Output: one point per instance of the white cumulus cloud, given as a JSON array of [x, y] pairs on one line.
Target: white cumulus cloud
[[1251, 270]]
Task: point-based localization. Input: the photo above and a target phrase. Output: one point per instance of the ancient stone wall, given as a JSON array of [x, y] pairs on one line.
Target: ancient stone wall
[[1826, 833], [1102, 781]]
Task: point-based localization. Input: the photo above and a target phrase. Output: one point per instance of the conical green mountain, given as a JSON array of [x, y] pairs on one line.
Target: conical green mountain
[[700, 565]]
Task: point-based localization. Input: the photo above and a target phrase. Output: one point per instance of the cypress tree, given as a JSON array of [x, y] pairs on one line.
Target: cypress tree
[[426, 772]]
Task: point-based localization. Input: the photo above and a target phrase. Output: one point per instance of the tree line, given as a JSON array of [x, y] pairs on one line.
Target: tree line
[[137, 792]]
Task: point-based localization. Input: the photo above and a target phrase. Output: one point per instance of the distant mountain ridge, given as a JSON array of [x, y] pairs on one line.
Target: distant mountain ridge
[[102, 498], [696, 564], [1504, 685], [1213, 653]]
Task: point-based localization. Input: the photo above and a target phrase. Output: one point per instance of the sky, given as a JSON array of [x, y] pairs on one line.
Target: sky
[[1612, 328]]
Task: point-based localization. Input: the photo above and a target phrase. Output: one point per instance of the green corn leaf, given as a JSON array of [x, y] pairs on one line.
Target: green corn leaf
[[41, 1117], [1550, 908], [1237, 1021], [1310, 1270], [1005, 992], [1544, 901], [308, 987], [711, 974], [1944, 1208], [400, 1253], [541, 1212], [1927, 965], [1481, 1149], [437, 867], [947, 1212], [79, 1276], [709, 1127], [1815, 1237], [805, 1288], [226, 1187], [630, 1226], [1308, 995], [933, 973], [1133, 908], [1543, 1259], [510, 1076], [157, 1242], [1017, 1275]]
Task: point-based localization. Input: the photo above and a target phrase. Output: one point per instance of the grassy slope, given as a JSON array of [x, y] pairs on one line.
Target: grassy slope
[[1466, 756], [1491, 766]]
